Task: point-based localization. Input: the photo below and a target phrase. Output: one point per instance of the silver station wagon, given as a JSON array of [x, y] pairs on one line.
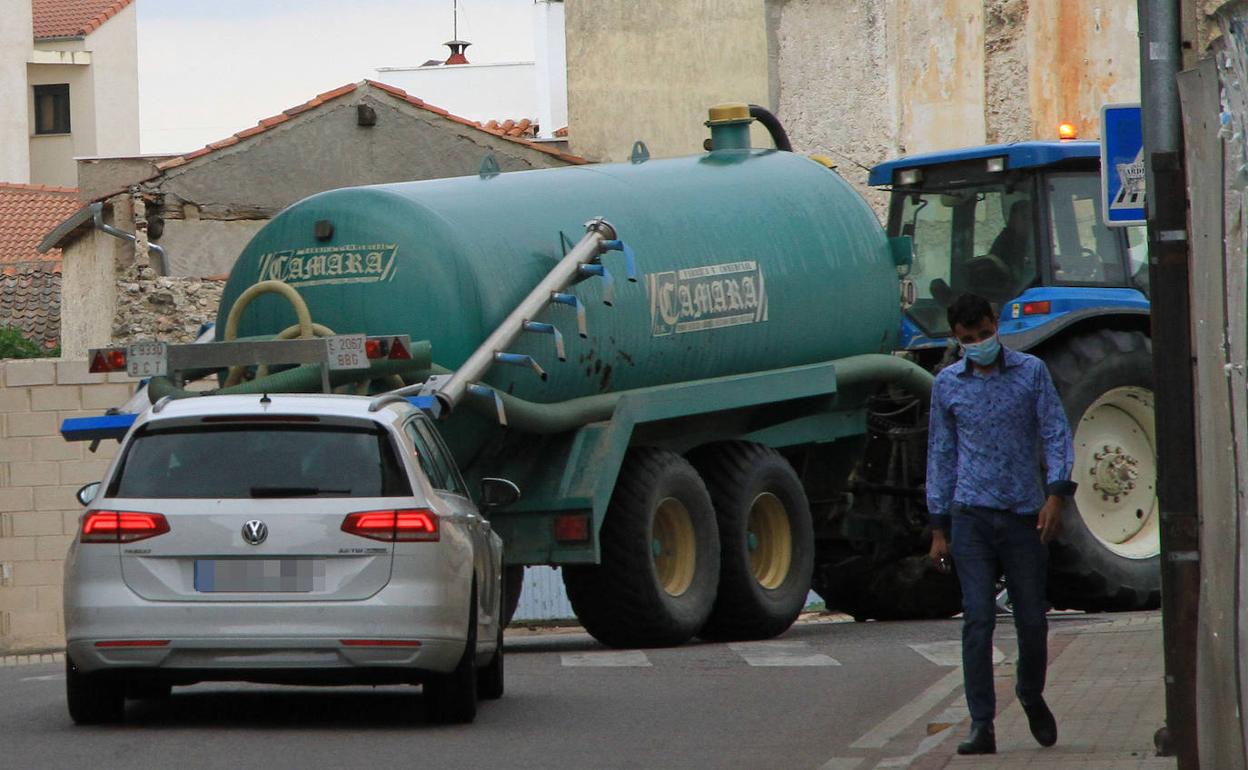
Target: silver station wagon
[[298, 539]]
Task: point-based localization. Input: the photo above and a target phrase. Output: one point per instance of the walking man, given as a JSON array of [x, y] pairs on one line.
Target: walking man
[[994, 414]]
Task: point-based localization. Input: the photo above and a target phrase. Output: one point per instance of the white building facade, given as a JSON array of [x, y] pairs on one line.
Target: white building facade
[[537, 90], [69, 87]]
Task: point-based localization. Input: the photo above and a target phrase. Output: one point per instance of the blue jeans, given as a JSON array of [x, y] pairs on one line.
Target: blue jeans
[[987, 543]]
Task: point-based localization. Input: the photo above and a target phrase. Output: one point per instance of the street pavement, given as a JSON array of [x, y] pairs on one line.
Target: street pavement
[[829, 695]]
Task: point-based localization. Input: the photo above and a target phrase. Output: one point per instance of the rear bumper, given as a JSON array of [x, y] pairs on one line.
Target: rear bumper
[[250, 636], [271, 659]]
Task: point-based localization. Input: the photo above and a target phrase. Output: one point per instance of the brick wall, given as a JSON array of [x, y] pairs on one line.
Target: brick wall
[[39, 474]]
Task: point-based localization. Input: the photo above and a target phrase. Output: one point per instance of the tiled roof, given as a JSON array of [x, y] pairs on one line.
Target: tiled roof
[[73, 18], [522, 127], [27, 213], [30, 300], [562, 133], [317, 101]]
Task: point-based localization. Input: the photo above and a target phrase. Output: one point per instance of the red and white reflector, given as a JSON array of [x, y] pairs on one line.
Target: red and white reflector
[[379, 642], [133, 643], [572, 528], [108, 360], [121, 526], [402, 525]]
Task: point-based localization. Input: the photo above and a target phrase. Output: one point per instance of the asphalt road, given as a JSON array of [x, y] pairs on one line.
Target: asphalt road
[[831, 695]]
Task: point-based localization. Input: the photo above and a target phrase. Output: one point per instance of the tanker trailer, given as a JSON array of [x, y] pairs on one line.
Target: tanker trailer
[[694, 450]]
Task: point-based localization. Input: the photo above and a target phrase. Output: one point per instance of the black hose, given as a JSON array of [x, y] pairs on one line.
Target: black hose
[[772, 124]]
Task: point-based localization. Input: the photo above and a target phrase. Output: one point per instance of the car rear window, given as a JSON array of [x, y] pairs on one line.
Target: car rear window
[[251, 461]]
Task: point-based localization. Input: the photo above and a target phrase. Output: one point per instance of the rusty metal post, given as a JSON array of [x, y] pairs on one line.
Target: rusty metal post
[[1169, 277]]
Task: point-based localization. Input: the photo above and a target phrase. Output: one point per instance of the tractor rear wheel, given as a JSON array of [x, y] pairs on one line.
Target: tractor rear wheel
[[1108, 555]]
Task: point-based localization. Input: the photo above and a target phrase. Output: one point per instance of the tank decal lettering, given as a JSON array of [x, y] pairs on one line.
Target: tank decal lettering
[[326, 265], [702, 298]]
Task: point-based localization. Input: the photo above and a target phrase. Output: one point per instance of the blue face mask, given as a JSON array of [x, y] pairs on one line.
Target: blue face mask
[[983, 353]]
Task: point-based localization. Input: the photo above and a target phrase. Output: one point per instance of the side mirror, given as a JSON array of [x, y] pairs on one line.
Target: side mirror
[[87, 492], [498, 493]]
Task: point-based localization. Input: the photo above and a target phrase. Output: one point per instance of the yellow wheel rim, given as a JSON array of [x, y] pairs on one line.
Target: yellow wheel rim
[[770, 541], [673, 543]]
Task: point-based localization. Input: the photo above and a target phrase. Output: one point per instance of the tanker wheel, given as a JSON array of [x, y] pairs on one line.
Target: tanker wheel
[[766, 541], [1107, 557], [513, 584], [660, 557]]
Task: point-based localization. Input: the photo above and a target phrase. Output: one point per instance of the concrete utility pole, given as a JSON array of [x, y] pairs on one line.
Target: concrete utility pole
[[1169, 276]]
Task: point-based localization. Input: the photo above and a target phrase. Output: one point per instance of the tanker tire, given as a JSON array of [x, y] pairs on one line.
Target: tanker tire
[[766, 541], [513, 584], [642, 595], [1084, 573]]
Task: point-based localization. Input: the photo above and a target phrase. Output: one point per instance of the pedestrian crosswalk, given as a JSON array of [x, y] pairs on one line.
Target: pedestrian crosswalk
[[778, 653]]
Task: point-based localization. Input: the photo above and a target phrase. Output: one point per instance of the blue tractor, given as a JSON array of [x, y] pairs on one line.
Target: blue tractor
[[1022, 225]]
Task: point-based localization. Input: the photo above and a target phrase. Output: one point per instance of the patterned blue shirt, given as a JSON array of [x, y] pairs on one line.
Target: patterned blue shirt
[[985, 433]]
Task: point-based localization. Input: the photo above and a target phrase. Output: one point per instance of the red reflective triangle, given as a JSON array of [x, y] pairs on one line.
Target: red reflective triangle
[[98, 364], [398, 351]]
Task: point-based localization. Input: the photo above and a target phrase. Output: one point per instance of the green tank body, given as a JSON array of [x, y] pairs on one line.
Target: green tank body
[[747, 260]]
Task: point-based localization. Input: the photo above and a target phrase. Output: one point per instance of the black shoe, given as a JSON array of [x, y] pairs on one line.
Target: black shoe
[[981, 740], [1043, 725]]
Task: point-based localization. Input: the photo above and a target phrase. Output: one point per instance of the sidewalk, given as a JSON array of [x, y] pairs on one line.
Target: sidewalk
[[1106, 687]]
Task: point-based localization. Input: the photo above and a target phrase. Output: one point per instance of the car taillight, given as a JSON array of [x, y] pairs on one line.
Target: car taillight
[[1043, 307], [122, 526], [405, 524]]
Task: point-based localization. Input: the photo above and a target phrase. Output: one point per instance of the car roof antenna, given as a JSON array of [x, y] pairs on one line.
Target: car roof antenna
[[265, 399]]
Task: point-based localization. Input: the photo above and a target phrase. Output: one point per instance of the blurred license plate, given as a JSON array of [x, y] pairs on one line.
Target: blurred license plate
[[259, 575], [147, 359]]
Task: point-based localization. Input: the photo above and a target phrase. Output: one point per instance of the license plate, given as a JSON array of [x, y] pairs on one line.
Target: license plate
[[259, 575], [147, 359], [346, 351]]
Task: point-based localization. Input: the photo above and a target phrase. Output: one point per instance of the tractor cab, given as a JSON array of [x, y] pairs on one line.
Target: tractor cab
[[1019, 224]]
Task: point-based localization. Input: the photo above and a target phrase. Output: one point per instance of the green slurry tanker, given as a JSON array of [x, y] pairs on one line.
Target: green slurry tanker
[[679, 362]]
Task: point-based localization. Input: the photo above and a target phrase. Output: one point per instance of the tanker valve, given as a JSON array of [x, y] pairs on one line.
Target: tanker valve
[[541, 328], [520, 359], [630, 259], [600, 270], [482, 391], [572, 301]]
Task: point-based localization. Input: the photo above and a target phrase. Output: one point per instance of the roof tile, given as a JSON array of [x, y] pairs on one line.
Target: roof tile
[[27, 214], [72, 18], [30, 300]]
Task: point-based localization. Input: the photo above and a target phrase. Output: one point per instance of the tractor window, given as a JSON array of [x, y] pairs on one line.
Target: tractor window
[[1137, 254], [979, 239], [1085, 251]]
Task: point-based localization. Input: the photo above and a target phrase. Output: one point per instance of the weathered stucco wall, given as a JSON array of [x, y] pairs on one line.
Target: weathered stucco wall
[[648, 69], [1007, 116], [938, 73], [1082, 55], [206, 247], [259, 177]]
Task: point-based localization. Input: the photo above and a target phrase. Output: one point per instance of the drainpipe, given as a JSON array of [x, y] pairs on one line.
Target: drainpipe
[[1169, 277], [97, 211]]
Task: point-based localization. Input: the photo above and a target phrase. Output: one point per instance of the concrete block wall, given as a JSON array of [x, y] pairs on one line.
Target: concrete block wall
[[39, 474]]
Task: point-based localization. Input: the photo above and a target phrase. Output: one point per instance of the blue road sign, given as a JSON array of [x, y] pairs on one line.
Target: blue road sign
[[1122, 165]]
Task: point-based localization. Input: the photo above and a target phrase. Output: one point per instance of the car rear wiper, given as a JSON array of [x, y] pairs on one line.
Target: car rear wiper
[[295, 491]]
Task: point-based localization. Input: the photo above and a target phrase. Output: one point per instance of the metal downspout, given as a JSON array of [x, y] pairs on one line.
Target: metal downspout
[[97, 212]]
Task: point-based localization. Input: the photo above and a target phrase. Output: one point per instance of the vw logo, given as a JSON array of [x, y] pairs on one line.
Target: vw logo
[[255, 531]]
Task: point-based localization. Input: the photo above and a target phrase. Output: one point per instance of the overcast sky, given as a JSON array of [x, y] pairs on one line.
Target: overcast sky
[[209, 69]]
